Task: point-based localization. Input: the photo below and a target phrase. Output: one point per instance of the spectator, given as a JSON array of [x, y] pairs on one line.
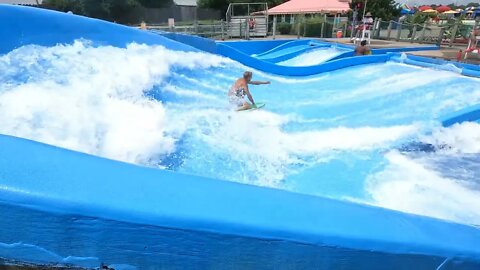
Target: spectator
[[251, 23], [368, 20], [459, 55]]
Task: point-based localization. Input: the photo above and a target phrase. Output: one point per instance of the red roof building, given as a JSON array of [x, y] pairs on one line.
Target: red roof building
[[311, 7]]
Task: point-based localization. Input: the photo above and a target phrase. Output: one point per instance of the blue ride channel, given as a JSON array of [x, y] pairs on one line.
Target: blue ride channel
[[65, 207]]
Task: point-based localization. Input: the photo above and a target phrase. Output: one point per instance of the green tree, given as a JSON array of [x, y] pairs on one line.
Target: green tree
[[418, 18], [384, 9], [75, 6], [155, 3], [221, 5], [112, 10]]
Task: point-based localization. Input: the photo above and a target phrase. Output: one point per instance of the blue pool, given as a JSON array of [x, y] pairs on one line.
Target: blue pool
[[334, 135], [356, 163]]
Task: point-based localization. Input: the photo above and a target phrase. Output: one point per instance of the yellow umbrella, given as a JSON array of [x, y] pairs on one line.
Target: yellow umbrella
[[450, 12], [430, 11]]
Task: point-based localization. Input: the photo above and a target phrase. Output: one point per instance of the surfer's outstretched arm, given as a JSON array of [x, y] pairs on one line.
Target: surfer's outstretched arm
[[259, 82]]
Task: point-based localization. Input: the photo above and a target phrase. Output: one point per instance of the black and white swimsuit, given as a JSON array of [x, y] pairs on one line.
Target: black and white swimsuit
[[239, 97]]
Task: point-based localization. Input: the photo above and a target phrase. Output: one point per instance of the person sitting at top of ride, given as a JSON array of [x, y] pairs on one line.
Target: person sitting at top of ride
[[368, 20], [367, 23], [474, 34], [239, 90], [362, 49]]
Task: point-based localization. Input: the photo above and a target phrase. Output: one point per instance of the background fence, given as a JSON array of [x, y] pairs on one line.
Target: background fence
[[449, 33], [212, 29]]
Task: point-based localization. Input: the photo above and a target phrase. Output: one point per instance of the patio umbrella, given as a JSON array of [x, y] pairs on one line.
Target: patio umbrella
[[429, 11], [422, 8], [443, 8], [470, 9], [451, 12]]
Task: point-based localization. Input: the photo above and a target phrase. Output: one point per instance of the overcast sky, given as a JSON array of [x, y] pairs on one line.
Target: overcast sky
[[442, 2]]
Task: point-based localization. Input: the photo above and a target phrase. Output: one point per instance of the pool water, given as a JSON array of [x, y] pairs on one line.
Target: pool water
[[341, 134], [314, 57]]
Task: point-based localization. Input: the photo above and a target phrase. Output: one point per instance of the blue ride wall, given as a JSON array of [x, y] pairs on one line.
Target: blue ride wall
[[108, 206], [237, 51], [61, 206], [242, 52], [440, 64], [468, 114], [255, 46], [23, 26]]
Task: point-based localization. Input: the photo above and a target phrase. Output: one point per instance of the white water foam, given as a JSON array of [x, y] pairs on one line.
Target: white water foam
[[461, 138], [388, 85], [426, 184], [263, 152], [92, 99], [34, 254], [313, 57]]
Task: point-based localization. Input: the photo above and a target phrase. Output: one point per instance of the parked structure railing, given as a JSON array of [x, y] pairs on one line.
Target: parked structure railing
[[440, 34], [247, 20], [446, 34], [215, 30]]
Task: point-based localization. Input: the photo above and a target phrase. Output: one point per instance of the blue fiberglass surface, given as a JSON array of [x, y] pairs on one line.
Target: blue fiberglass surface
[[289, 50], [256, 47], [314, 56], [299, 52], [304, 52], [96, 241], [128, 215], [60, 28], [340, 134], [337, 135]]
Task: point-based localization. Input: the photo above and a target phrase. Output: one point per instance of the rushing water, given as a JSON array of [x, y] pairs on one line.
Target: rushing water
[[341, 134], [314, 57]]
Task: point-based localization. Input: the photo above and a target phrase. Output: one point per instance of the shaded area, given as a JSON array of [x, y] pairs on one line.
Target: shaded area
[[120, 245]]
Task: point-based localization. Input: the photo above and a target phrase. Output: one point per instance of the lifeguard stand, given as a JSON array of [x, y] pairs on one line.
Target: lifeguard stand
[[362, 34], [473, 43], [247, 20]]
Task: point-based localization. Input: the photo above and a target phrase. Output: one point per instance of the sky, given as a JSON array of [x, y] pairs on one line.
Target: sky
[[442, 2]]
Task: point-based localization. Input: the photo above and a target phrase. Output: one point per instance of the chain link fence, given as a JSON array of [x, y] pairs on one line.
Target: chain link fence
[[449, 33], [212, 29]]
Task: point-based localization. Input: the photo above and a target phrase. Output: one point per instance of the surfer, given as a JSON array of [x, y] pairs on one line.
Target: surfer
[[239, 90]]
